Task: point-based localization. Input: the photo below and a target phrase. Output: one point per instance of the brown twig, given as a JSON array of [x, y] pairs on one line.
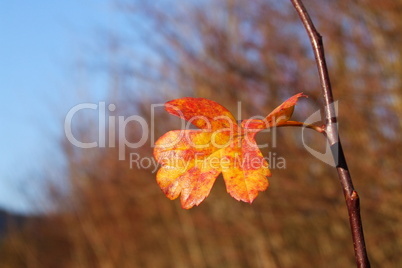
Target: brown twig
[[331, 131]]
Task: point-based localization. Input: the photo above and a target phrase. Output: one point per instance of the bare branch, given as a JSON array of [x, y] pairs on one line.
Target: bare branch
[[331, 130]]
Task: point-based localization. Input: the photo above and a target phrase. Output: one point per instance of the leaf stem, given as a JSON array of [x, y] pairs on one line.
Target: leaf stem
[[300, 124], [331, 132]]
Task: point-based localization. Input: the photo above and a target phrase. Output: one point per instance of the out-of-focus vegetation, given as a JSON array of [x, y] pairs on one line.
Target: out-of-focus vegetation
[[255, 52]]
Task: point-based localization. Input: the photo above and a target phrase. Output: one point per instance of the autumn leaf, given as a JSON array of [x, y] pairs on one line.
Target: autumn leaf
[[191, 159]]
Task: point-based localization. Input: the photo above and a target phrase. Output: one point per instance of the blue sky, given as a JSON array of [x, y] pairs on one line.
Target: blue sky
[[39, 43]]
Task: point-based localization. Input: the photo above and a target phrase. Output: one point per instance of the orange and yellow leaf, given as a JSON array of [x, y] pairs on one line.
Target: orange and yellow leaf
[[192, 159]]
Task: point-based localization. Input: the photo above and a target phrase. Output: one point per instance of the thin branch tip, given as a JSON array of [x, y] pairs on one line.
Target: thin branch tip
[[331, 133]]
